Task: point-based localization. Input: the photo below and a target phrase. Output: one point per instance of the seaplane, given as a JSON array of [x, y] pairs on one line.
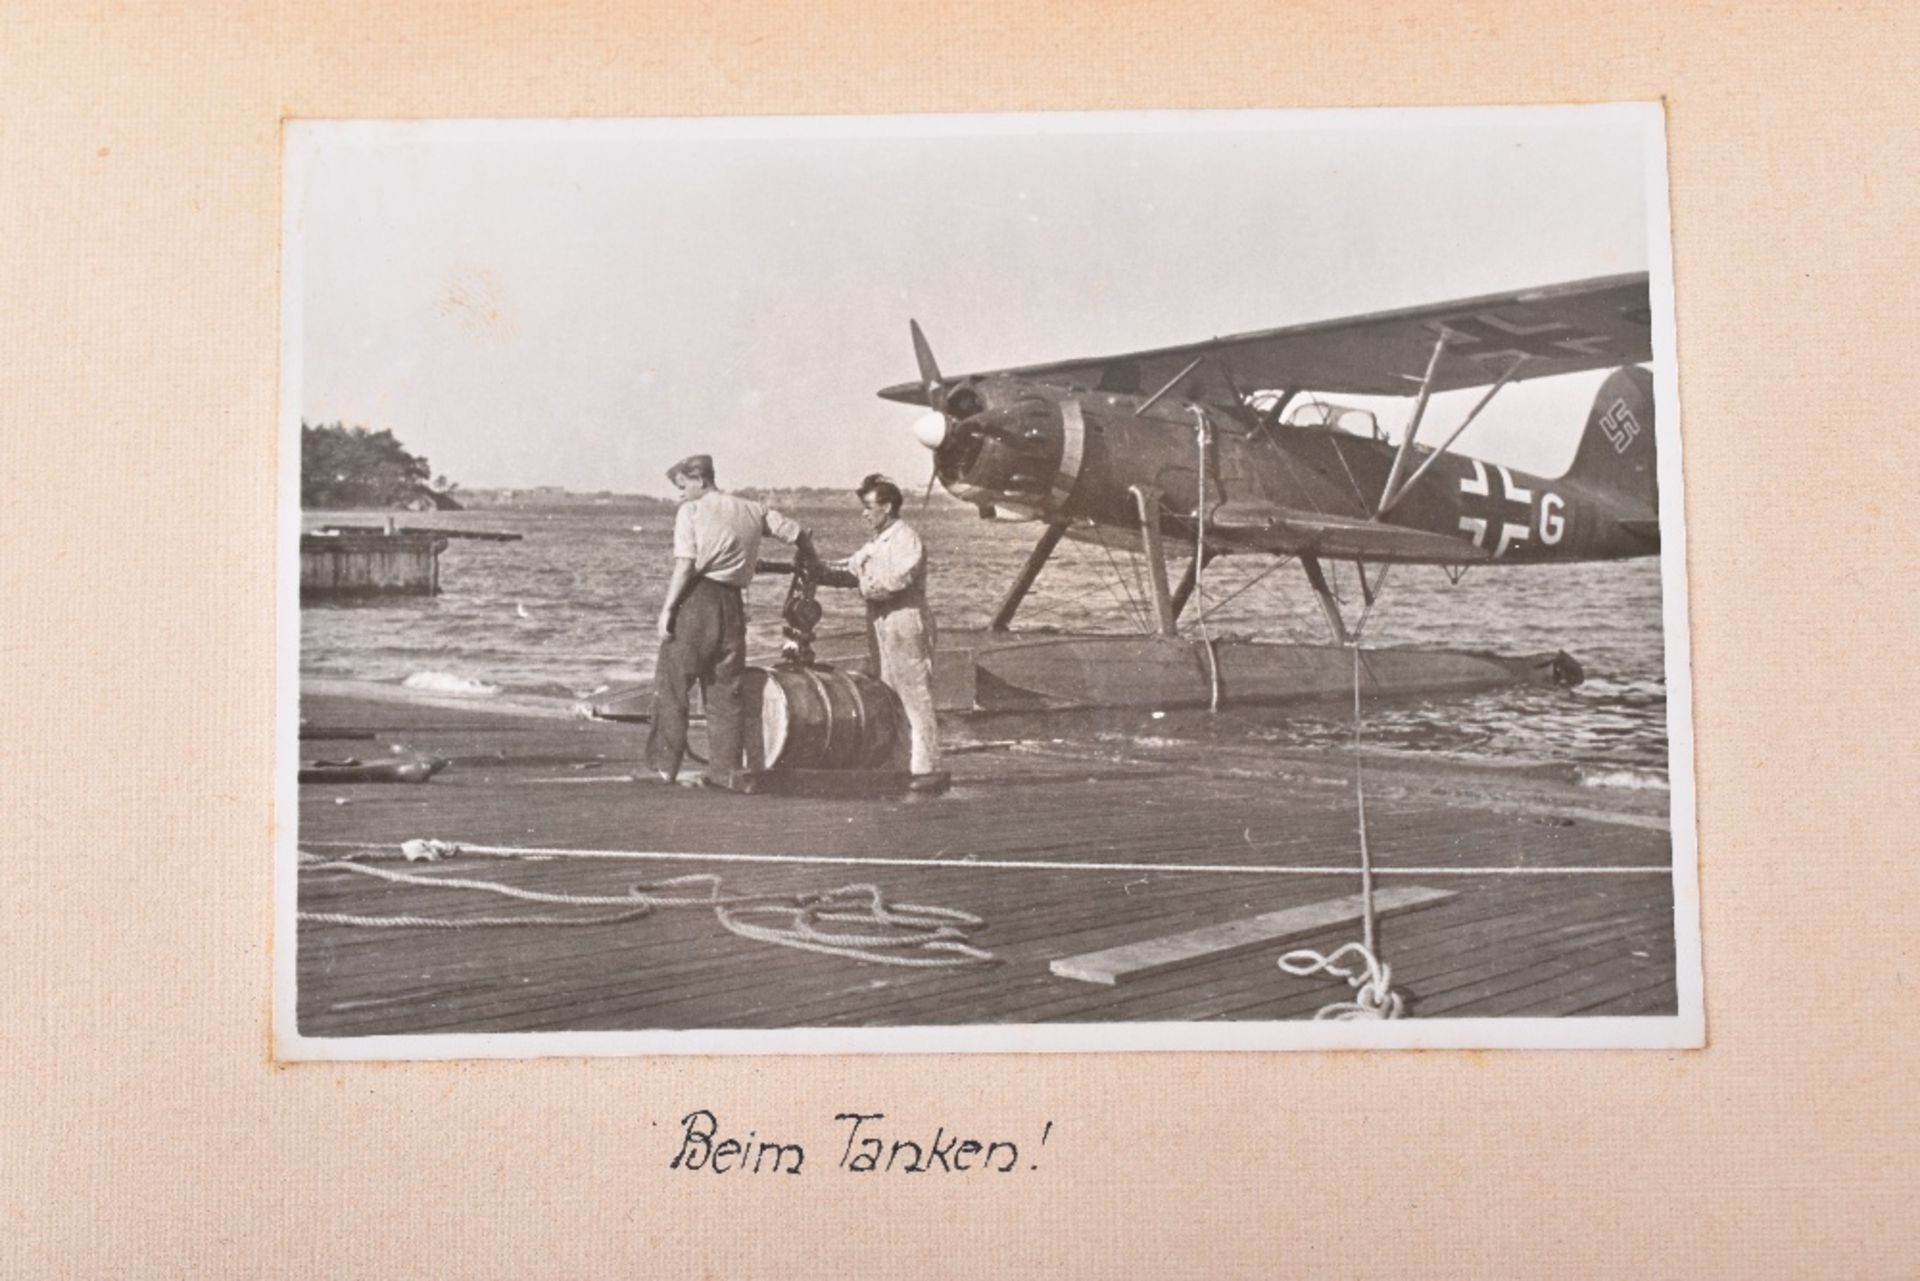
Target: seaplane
[[1238, 446], [1193, 448]]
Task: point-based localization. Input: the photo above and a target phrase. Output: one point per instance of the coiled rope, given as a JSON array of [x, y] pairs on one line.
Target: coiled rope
[[1366, 974], [852, 921]]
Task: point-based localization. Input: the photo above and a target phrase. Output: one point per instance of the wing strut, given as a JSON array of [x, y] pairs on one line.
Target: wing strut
[[1395, 495], [1172, 382], [1189, 577], [1370, 592], [1419, 412], [1327, 603], [1036, 561]]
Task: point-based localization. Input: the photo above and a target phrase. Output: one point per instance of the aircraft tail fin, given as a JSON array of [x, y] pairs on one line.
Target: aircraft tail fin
[[1616, 454]]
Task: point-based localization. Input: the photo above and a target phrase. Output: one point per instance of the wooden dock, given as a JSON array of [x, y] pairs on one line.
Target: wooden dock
[[371, 563], [1061, 841], [425, 531]]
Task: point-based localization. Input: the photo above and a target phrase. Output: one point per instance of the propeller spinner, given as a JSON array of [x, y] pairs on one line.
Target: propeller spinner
[[931, 429]]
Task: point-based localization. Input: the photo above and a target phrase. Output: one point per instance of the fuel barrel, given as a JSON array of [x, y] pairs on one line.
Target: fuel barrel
[[822, 718]]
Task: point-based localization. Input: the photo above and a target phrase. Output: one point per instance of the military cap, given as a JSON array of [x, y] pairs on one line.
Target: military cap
[[700, 465]]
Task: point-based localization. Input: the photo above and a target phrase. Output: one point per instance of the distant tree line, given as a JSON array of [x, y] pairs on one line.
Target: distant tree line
[[343, 466]]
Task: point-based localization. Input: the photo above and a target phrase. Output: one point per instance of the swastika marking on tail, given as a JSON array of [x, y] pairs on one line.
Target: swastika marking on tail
[[1620, 426]]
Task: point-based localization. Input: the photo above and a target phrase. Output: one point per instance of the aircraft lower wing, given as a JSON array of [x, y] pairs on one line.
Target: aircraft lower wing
[[1270, 527]]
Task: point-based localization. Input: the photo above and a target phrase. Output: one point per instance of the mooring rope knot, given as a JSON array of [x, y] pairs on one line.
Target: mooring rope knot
[[1369, 976]]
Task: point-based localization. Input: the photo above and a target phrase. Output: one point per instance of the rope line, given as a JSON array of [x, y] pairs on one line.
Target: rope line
[[879, 932], [984, 864], [461, 923], [1360, 808], [1200, 561], [1367, 974]]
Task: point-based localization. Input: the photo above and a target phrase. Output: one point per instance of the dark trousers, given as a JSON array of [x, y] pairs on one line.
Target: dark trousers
[[708, 646]]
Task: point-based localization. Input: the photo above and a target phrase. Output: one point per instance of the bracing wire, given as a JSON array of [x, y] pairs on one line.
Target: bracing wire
[[1241, 590], [1134, 605]]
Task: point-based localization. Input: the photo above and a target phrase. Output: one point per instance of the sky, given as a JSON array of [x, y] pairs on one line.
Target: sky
[[581, 303]]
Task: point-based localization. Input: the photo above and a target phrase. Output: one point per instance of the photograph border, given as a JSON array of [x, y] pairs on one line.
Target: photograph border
[[1683, 1030]]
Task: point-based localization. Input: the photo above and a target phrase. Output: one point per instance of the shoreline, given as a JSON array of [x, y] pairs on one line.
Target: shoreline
[[1100, 736], [534, 706]]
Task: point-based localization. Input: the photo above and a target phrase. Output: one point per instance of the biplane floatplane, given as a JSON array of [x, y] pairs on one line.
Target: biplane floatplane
[[1193, 449]]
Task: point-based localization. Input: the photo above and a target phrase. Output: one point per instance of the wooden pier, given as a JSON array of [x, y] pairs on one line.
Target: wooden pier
[[435, 531], [1063, 843], [369, 563]]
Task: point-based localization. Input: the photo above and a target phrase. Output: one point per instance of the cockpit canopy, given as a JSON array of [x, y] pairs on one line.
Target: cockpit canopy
[[1321, 413]]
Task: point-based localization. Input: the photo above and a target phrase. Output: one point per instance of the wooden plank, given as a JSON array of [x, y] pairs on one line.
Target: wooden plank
[[1150, 956]]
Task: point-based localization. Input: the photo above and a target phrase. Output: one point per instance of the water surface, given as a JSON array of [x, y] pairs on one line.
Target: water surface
[[572, 608]]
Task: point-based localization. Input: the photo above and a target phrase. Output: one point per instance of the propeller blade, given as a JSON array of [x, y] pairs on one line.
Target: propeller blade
[[929, 368]]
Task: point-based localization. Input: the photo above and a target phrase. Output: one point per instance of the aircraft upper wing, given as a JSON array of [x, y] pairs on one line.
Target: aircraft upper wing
[[1561, 329]]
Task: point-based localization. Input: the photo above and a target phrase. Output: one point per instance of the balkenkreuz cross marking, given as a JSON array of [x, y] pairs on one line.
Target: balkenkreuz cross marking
[[1488, 336], [1480, 485]]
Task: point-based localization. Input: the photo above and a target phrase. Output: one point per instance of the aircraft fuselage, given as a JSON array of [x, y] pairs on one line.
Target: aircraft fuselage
[[1070, 456]]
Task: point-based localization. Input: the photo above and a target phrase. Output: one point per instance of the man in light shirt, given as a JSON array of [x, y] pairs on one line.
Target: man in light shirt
[[703, 622], [891, 573]]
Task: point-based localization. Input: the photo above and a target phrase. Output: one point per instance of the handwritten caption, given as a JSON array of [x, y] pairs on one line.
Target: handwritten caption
[[863, 1144]]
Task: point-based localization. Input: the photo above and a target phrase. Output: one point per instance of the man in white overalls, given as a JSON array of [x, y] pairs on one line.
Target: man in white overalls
[[891, 573]]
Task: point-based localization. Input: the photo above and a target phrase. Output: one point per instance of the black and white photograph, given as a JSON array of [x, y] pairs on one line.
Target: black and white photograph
[[1132, 581]]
